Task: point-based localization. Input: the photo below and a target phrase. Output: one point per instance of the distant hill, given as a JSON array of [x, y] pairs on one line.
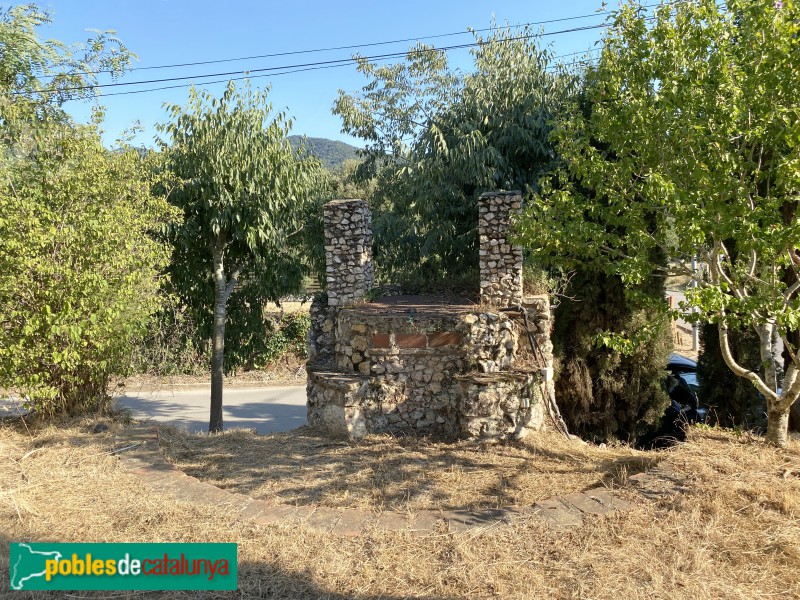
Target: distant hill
[[331, 152]]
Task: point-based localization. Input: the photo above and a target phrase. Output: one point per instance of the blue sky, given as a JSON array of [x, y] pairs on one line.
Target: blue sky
[[178, 31]]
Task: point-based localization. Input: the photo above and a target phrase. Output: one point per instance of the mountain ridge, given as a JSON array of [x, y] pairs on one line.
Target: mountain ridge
[[332, 153]]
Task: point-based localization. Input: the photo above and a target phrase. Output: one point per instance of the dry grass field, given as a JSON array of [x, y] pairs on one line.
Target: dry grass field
[[734, 534], [383, 472]]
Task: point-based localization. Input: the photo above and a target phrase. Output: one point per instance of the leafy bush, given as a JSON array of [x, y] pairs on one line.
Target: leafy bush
[[603, 394], [171, 346], [436, 139], [286, 335], [79, 270], [175, 346]]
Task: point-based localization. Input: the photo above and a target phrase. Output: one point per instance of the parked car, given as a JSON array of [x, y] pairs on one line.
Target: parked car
[[684, 409]]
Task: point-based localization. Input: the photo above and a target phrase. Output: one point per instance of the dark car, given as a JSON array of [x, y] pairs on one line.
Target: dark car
[[684, 409]]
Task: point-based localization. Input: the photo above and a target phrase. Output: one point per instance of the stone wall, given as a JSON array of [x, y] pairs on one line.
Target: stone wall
[[321, 336], [454, 372], [348, 251], [336, 403], [500, 405], [423, 365], [499, 260], [411, 367], [540, 325]]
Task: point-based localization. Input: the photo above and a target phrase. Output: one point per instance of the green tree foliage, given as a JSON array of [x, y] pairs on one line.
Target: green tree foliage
[[397, 104], [604, 393], [37, 76], [691, 147], [79, 270], [390, 113], [243, 191], [438, 140]]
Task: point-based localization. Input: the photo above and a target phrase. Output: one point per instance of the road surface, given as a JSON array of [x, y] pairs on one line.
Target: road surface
[[267, 409]]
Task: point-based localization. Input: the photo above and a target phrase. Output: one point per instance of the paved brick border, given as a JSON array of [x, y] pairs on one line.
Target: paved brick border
[[138, 450]]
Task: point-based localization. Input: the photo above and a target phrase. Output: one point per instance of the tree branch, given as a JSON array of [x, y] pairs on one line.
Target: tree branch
[[725, 348], [789, 350], [234, 279], [790, 395], [791, 291], [753, 261]]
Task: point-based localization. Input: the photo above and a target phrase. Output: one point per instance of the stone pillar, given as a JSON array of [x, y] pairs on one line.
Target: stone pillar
[[348, 251], [500, 261]]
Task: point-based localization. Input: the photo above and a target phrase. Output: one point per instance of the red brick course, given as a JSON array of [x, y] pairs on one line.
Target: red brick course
[[380, 340], [437, 340], [411, 340]]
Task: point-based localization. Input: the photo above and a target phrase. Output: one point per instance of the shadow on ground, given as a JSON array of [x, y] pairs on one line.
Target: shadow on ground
[[396, 473], [265, 417]]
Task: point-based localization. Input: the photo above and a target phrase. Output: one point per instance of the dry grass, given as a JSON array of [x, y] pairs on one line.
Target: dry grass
[[389, 473], [734, 534]]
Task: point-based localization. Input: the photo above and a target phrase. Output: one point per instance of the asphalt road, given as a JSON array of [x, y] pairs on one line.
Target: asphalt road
[[267, 409]]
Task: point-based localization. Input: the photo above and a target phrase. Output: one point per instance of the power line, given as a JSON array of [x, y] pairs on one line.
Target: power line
[[289, 72], [319, 65], [301, 66], [370, 44], [349, 47], [183, 85]]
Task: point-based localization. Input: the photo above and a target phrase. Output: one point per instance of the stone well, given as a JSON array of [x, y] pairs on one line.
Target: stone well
[[423, 364]]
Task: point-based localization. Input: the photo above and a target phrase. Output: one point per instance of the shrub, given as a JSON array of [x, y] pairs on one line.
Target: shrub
[[603, 394], [171, 346], [79, 270]]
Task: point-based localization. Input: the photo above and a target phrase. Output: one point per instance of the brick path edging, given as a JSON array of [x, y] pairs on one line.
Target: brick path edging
[[140, 454]]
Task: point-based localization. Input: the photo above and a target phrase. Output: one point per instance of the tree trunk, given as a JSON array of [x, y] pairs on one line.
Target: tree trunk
[[793, 337], [769, 356], [777, 426], [218, 342]]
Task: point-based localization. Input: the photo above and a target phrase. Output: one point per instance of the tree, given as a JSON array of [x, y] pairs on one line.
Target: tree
[[242, 190], [390, 114], [79, 266], [37, 76], [439, 139], [605, 394], [398, 102], [691, 148]]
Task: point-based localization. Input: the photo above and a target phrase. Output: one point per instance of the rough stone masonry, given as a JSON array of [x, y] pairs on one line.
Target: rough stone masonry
[[500, 261], [348, 251], [426, 365]]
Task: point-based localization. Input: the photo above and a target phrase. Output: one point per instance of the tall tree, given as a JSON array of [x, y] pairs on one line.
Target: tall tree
[[734, 400], [439, 139], [691, 148], [242, 190]]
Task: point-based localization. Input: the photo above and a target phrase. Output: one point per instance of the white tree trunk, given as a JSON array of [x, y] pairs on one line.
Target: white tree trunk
[[778, 426], [777, 405], [768, 347]]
